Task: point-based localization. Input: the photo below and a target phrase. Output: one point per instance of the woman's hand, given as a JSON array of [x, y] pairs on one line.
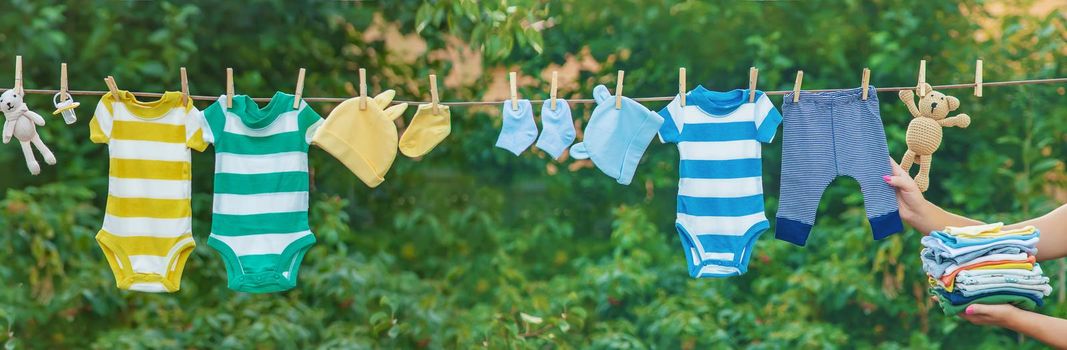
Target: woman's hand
[[909, 197], [1046, 329], [995, 315], [916, 210], [986, 315]]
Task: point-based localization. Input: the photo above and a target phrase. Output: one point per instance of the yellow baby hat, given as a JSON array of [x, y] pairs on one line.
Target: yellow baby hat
[[364, 140], [428, 128]]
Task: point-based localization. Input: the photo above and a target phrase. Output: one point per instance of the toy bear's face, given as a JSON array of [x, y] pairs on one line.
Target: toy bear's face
[[10, 101], [936, 105]]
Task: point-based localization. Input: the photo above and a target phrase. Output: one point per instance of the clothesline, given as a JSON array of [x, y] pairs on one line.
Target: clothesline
[[584, 101]]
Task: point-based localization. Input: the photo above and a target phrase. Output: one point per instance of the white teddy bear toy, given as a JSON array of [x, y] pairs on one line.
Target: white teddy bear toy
[[21, 122]]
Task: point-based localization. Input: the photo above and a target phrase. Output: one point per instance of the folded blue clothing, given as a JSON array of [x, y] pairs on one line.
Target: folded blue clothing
[[957, 298], [935, 261], [962, 280], [1039, 291], [959, 242], [938, 270], [1034, 276]]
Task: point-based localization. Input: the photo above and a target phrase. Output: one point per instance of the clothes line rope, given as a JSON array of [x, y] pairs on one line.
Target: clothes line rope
[[583, 101]]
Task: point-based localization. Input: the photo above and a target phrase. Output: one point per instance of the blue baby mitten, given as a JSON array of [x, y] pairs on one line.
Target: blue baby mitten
[[557, 128], [615, 139], [519, 130]]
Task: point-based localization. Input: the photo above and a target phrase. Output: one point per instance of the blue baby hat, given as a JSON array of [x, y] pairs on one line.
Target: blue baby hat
[[557, 128], [615, 139], [519, 129]]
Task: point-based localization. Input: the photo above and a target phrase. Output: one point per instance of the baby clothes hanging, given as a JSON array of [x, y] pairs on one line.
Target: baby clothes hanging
[[363, 139], [616, 138], [147, 230], [426, 131], [260, 214], [519, 129], [827, 135], [557, 128], [720, 186]]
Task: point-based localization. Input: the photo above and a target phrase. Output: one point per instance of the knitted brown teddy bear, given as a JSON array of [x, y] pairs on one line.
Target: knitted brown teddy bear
[[924, 131]]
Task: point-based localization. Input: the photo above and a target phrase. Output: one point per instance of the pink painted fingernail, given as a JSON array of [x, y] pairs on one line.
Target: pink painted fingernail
[[886, 178], [969, 310]]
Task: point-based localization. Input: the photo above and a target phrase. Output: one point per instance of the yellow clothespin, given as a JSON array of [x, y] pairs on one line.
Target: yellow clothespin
[[514, 91], [866, 82], [681, 87], [185, 85], [229, 87], [753, 74], [433, 94], [363, 89], [299, 89], [111, 86], [552, 102], [796, 86], [978, 78], [618, 90], [922, 78]]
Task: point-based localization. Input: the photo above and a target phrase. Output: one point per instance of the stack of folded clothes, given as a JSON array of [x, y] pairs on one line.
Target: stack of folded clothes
[[984, 264]]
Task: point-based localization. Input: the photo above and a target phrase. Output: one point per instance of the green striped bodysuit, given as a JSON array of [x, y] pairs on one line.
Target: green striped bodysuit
[[260, 215]]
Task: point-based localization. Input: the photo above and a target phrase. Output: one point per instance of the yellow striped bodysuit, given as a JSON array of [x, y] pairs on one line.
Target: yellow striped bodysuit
[[147, 231]]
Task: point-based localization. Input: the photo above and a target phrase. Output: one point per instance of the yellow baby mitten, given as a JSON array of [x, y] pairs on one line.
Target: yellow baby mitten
[[426, 131], [364, 140]]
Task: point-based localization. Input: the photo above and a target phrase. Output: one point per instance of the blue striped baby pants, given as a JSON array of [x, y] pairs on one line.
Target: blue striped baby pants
[[826, 135]]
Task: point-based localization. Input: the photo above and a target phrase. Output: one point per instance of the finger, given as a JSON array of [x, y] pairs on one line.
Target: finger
[[897, 170], [970, 318], [976, 310], [901, 182]]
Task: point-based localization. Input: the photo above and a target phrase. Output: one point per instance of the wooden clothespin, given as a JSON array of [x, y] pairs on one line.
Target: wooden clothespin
[[111, 86], [552, 94], [681, 87], [796, 86], [866, 82], [618, 90], [434, 101], [63, 82], [64, 102], [18, 74], [978, 78], [185, 85], [362, 89], [299, 89], [229, 87], [753, 74], [514, 91], [922, 78]]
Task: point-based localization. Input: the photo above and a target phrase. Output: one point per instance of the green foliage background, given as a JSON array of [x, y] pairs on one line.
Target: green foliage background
[[472, 247]]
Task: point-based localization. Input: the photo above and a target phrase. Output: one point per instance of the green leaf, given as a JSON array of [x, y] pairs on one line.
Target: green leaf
[[423, 17], [535, 40]]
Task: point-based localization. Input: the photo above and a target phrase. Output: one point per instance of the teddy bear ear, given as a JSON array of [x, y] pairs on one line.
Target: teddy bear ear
[[384, 98], [601, 94], [927, 87], [953, 103]]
